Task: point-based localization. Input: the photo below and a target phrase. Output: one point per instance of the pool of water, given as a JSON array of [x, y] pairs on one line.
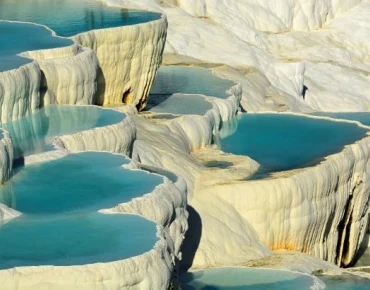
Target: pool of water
[[189, 80], [20, 37], [78, 182], [362, 117], [35, 133], [74, 240], [70, 17], [283, 142], [245, 278], [179, 104], [345, 282]]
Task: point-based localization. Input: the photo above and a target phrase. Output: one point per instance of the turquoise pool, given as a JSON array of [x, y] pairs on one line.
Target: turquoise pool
[[35, 133], [76, 183], [70, 17], [20, 37], [362, 117], [245, 278], [179, 104], [74, 240], [189, 80], [283, 142]]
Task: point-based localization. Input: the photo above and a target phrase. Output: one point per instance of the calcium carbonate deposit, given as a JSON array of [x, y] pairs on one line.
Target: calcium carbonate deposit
[[184, 144]]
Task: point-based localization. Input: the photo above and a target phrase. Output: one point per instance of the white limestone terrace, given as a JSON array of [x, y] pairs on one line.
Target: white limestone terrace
[[217, 191], [104, 66], [256, 41], [150, 270], [333, 194]]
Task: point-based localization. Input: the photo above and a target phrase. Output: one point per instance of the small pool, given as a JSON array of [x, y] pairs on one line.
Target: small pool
[[189, 80], [245, 278], [74, 240], [70, 17], [345, 282], [283, 142], [20, 37], [35, 133], [78, 182], [362, 117], [179, 104]]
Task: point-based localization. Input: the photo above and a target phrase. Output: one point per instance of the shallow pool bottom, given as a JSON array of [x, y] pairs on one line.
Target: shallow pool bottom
[[74, 239], [245, 278]]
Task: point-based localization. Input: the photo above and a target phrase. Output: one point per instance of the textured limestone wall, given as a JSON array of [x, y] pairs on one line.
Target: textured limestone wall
[[128, 58], [19, 92], [71, 80], [6, 156]]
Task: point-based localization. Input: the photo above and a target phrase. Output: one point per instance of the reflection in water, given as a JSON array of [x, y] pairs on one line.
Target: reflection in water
[[35, 133]]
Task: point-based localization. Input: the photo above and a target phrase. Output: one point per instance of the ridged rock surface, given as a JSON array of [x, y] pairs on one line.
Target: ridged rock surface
[[128, 58], [19, 92]]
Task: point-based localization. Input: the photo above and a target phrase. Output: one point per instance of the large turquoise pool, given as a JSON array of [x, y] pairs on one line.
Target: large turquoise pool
[[70, 17], [20, 37], [245, 279], [283, 142], [76, 183], [35, 133], [64, 240], [189, 80]]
